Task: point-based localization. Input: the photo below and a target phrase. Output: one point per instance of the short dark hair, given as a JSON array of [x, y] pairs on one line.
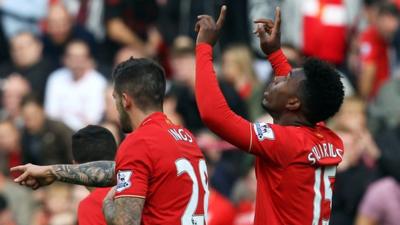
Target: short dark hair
[[143, 80], [322, 90], [93, 143], [31, 98]]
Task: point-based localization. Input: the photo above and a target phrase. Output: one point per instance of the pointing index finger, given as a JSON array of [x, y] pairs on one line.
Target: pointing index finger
[[18, 168], [221, 18], [277, 25]]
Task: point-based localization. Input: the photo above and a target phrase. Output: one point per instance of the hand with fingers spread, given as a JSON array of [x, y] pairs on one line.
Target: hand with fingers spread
[[34, 176], [269, 33], [207, 29]]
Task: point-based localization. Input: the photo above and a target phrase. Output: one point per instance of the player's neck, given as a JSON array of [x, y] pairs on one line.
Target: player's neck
[[137, 116], [292, 120]]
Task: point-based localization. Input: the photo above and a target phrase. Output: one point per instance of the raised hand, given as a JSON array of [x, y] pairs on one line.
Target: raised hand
[[34, 176], [269, 33], [207, 29]]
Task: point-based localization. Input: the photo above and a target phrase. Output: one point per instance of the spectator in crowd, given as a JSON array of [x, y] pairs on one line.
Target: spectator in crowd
[[26, 60], [374, 50], [384, 111], [307, 24], [44, 141], [22, 15], [132, 23], [6, 217], [183, 64], [20, 200], [359, 163], [237, 70], [75, 93], [15, 87], [60, 30], [381, 204], [58, 206], [10, 147]]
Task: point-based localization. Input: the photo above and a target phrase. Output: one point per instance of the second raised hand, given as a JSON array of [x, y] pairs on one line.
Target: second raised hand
[[269, 33]]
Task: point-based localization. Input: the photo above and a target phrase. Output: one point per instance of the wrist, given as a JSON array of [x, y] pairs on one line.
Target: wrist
[[51, 171]]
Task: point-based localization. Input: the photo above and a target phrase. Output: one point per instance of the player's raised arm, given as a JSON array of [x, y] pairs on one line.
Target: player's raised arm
[[269, 33], [94, 174], [212, 105]]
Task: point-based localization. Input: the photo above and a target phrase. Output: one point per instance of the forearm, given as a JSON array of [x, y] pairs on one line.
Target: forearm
[[120, 33], [366, 80], [279, 63], [212, 105], [95, 174], [109, 210], [123, 211]]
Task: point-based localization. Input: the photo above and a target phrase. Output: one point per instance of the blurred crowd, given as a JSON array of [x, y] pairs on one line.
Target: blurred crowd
[[56, 61]]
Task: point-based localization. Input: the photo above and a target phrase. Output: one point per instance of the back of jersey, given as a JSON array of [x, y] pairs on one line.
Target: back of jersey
[[166, 168]]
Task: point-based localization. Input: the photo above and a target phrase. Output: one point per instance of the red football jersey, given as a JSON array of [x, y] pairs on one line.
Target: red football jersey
[[162, 163], [295, 165], [90, 210]]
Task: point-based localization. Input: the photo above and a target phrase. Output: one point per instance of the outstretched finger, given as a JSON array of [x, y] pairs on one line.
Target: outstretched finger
[[21, 168], [221, 18], [277, 25], [22, 177]]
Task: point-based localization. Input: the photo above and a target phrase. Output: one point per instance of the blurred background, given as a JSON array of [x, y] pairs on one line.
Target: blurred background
[[57, 56]]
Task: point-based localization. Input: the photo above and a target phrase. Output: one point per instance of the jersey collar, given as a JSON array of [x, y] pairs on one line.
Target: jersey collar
[[156, 116]]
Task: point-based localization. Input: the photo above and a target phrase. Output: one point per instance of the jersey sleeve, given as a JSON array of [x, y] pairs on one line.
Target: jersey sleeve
[[279, 63], [133, 170], [368, 51], [260, 139]]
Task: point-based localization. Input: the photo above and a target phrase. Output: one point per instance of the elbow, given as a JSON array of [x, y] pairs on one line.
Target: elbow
[[208, 117]]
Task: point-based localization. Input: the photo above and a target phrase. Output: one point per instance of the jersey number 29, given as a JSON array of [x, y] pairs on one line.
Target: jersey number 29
[[189, 217]]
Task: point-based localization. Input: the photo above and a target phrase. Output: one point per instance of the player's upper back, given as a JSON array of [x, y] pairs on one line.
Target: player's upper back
[[161, 162], [295, 168]]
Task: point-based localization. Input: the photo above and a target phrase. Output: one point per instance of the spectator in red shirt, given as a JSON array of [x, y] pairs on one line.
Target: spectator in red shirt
[[93, 143], [375, 66]]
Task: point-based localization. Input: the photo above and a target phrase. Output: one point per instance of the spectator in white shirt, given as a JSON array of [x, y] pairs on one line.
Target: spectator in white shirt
[[75, 93]]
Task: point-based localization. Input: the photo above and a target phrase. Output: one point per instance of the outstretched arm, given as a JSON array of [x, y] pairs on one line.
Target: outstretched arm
[[97, 174]]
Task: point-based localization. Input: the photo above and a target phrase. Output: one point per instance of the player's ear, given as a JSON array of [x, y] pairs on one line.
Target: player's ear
[[293, 104], [126, 100]]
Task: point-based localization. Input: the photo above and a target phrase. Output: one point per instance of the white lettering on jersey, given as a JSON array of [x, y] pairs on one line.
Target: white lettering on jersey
[[263, 131], [123, 180], [324, 150], [180, 135]]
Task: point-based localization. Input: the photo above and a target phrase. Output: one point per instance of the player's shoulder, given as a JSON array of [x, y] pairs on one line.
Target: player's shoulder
[[326, 131], [133, 142]]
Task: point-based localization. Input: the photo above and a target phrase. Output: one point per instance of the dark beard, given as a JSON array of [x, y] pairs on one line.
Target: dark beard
[[124, 119], [125, 122]]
